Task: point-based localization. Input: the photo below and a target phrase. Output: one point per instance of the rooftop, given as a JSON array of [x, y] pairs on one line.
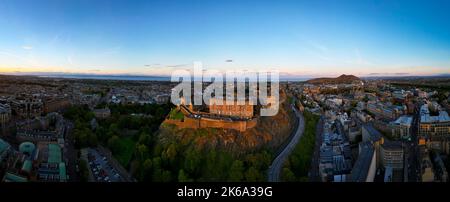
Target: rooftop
[[27, 147], [404, 120], [9, 177], [27, 166], [426, 118], [362, 164], [374, 134], [54, 153], [392, 145], [3, 146]]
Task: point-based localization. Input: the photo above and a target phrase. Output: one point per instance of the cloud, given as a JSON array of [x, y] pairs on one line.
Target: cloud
[[27, 47], [153, 65], [157, 65], [178, 65]]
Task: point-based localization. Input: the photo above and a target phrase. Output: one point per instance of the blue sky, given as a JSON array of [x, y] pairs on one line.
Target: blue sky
[[300, 38]]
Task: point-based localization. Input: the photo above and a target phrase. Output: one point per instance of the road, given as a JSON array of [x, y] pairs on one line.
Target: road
[[413, 150], [277, 164], [70, 152]]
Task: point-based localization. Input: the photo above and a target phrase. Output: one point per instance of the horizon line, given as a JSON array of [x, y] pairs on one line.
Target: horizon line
[[282, 77]]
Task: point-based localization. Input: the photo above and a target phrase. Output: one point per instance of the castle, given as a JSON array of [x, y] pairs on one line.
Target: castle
[[235, 116]]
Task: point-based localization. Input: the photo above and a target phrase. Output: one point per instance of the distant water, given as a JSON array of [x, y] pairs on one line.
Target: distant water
[[110, 77]]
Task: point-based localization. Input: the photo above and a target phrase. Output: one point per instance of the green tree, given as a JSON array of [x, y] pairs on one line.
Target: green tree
[[236, 173], [142, 151], [182, 176], [84, 172], [253, 175], [147, 168], [114, 144], [287, 175], [166, 176], [192, 161]]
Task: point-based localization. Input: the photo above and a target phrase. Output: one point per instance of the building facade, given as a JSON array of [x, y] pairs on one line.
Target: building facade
[[401, 128], [434, 127], [234, 110]]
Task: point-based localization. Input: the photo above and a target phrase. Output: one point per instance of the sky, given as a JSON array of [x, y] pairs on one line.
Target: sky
[[299, 38]]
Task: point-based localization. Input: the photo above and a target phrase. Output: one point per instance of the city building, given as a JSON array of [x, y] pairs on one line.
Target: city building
[[385, 111], [51, 166], [162, 99], [47, 128], [5, 114], [335, 153], [391, 155], [235, 109], [4, 148], [27, 108], [401, 128], [363, 116], [434, 126], [56, 104], [365, 166], [370, 134], [11, 177], [102, 113]]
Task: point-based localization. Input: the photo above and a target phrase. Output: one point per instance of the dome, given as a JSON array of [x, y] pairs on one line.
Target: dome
[[27, 148]]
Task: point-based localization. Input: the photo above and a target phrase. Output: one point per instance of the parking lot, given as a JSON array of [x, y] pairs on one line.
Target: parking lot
[[101, 168]]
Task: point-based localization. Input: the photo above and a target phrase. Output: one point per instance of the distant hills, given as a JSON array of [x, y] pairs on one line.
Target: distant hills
[[342, 79]]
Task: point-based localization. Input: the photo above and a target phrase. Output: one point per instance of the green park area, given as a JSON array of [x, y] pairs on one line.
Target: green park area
[[298, 164]]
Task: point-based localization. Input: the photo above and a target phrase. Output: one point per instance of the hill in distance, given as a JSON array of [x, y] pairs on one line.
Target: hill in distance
[[342, 79]]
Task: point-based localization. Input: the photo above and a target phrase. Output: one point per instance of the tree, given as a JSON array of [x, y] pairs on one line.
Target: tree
[[114, 144], [166, 176], [192, 161], [171, 153], [84, 172], [236, 173], [182, 176], [287, 175], [253, 175], [114, 129], [92, 139], [147, 168], [145, 138], [102, 134], [142, 151]]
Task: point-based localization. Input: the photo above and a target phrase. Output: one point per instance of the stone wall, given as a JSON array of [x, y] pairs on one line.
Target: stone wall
[[213, 123]]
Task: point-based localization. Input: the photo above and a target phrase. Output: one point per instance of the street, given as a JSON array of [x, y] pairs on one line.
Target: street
[[413, 151], [277, 165]]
